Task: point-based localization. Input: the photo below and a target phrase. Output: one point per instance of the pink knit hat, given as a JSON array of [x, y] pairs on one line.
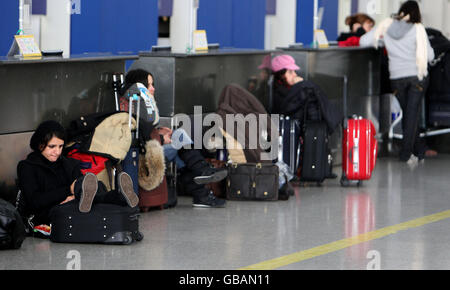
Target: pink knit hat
[[284, 62]]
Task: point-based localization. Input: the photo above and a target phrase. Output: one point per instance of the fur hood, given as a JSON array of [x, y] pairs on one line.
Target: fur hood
[[152, 166]]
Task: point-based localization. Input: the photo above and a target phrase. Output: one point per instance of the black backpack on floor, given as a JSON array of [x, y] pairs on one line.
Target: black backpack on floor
[[12, 229]]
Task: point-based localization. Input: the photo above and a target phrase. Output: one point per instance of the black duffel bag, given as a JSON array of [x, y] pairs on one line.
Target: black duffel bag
[[12, 229], [252, 181]]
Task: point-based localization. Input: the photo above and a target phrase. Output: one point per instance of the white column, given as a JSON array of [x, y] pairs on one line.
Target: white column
[[345, 10], [55, 26], [182, 23], [280, 28]]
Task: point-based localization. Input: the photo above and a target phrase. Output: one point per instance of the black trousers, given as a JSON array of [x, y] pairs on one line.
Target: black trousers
[[410, 93], [195, 163]]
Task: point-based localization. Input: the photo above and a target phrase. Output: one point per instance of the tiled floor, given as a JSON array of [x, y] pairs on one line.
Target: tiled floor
[[248, 233]]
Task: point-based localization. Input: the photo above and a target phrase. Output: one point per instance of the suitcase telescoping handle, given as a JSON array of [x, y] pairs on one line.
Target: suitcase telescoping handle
[[344, 99], [133, 98], [117, 83]]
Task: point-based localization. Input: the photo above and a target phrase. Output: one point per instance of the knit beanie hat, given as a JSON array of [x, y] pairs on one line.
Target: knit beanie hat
[[42, 130]]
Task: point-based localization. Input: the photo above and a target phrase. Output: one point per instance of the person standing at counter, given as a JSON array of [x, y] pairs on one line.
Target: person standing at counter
[[359, 25], [409, 52]]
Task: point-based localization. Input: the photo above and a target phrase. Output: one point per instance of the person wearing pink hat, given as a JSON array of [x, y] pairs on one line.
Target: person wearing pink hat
[[284, 69], [290, 92]]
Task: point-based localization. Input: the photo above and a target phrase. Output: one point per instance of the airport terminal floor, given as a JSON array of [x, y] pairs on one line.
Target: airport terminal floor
[[397, 220]]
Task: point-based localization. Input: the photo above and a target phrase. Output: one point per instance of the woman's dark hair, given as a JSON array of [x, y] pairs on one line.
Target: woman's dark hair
[[44, 133], [136, 76], [412, 8], [279, 78]]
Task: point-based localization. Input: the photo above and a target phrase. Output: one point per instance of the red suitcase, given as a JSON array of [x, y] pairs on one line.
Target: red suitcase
[[359, 150]]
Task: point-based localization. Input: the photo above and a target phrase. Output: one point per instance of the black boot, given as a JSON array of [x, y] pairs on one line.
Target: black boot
[[203, 171], [201, 196], [206, 199]]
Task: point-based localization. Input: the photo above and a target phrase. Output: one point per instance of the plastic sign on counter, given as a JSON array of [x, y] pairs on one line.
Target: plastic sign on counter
[[200, 42], [321, 38], [27, 45]]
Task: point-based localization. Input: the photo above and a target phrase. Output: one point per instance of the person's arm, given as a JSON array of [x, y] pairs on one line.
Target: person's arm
[[430, 51], [36, 199], [368, 39]]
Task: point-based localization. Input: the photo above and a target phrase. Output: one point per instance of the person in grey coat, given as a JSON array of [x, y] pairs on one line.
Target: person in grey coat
[[409, 52]]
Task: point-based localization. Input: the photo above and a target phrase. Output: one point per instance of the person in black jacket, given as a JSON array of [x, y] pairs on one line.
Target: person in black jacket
[[290, 93], [46, 179]]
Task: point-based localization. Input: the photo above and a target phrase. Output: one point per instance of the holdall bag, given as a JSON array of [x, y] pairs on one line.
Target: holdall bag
[[104, 224], [252, 181], [12, 228]]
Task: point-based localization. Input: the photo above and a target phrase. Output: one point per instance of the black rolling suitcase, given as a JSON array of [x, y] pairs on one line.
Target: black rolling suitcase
[[314, 150], [104, 224], [439, 114]]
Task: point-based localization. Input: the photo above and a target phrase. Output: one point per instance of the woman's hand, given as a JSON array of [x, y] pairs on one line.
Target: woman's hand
[[292, 78], [166, 133], [356, 26], [72, 187], [69, 198]]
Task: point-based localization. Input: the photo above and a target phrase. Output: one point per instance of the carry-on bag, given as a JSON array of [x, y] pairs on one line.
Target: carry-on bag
[[252, 181], [153, 185], [359, 147], [104, 224], [359, 150], [314, 150], [439, 114], [290, 131], [131, 162], [12, 228]]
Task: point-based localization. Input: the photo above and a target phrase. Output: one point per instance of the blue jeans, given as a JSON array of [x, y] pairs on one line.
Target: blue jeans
[[179, 139]]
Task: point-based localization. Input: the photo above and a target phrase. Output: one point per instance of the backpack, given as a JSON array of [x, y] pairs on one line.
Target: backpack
[[12, 228], [88, 162], [98, 164]]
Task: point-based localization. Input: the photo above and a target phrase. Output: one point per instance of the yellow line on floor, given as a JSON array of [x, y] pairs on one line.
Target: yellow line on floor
[[345, 243]]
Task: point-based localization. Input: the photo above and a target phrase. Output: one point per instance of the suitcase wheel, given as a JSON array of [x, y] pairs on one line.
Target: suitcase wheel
[[138, 236], [344, 181]]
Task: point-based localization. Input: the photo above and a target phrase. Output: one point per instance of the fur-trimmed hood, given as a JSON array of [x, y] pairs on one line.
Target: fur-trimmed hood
[[152, 166]]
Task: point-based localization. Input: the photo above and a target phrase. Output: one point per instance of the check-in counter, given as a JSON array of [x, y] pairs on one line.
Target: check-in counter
[[185, 80], [327, 66], [59, 88]]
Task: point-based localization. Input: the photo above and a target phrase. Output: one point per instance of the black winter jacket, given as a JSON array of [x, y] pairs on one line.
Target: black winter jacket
[[44, 184], [291, 102]]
